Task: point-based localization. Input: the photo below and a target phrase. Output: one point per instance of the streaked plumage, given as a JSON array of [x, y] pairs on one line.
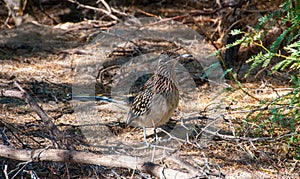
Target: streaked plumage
[[156, 102]]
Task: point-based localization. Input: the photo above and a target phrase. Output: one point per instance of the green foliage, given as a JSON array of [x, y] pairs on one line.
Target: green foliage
[[293, 59], [281, 114], [288, 18], [226, 72]]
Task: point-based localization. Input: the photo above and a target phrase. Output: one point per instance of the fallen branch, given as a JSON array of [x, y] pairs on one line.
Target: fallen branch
[[198, 13], [108, 13], [123, 161], [257, 139], [23, 95]]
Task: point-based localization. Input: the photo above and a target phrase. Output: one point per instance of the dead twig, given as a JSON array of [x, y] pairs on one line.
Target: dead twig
[[110, 160], [111, 9], [23, 95], [108, 13], [105, 5], [181, 162], [257, 139], [199, 12], [5, 172]]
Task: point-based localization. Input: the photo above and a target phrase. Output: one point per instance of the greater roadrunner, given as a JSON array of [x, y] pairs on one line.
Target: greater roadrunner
[[156, 102]]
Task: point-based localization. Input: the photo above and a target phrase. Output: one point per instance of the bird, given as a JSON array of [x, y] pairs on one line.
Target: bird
[[159, 97]]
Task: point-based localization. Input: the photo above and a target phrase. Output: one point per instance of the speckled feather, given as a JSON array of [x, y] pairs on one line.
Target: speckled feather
[[157, 84], [162, 83]]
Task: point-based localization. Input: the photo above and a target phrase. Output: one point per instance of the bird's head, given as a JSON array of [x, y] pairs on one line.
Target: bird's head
[[167, 61]]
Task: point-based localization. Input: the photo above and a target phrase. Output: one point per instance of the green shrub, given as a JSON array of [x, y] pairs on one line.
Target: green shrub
[[281, 115]]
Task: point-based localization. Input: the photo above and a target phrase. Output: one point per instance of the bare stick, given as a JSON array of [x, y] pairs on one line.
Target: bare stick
[[257, 139], [105, 5], [58, 155], [183, 163], [111, 9], [23, 95], [96, 9], [5, 172]]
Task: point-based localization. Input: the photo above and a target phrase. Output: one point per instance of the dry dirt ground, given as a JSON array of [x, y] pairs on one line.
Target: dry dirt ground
[[46, 61]]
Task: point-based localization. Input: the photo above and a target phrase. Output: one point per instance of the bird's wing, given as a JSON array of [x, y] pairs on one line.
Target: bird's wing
[[141, 103], [162, 84]]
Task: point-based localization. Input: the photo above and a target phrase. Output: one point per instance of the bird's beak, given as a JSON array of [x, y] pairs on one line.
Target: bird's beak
[[185, 55]]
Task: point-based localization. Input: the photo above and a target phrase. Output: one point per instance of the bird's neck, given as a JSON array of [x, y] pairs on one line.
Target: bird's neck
[[167, 71]]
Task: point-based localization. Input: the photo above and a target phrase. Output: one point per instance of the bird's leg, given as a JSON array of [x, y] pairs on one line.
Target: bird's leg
[[145, 136], [182, 124], [156, 136], [147, 145]]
